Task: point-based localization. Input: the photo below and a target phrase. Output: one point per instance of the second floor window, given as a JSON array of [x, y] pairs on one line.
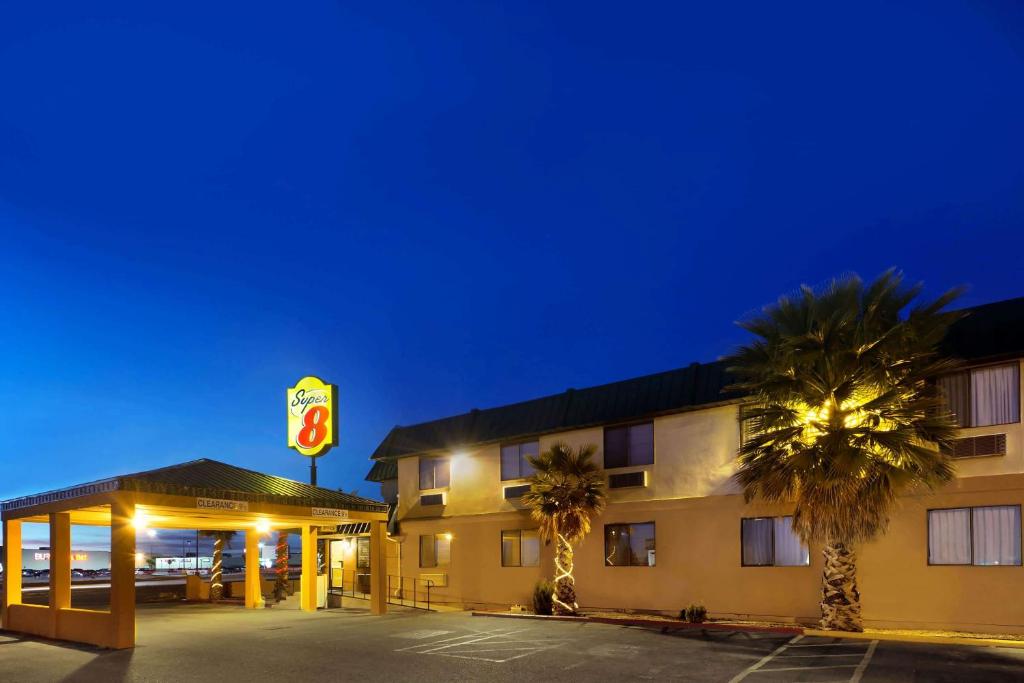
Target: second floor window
[[514, 464], [983, 396], [435, 473], [629, 446], [435, 550], [771, 542]]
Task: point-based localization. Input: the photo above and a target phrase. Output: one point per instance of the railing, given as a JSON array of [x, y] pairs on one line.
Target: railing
[[408, 591]]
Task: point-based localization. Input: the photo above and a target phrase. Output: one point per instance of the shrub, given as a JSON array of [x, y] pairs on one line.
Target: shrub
[[696, 613], [542, 597]]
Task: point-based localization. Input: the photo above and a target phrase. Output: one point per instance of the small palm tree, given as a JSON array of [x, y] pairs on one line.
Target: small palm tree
[[566, 490], [281, 579], [844, 416], [220, 538]]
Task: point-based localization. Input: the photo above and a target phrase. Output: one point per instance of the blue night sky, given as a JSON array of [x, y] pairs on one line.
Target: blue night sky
[[445, 206]]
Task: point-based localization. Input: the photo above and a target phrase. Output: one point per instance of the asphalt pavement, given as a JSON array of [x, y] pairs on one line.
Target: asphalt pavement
[[182, 642]]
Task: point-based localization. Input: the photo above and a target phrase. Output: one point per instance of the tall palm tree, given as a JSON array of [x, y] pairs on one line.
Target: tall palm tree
[[220, 538], [844, 416], [566, 490]]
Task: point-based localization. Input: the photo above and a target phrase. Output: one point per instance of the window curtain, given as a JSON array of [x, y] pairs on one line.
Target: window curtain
[[641, 444], [443, 548], [995, 392], [789, 549], [956, 390], [641, 540], [949, 536], [427, 557], [529, 449], [997, 535], [530, 548], [510, 546], [757, 542], [510, 462]]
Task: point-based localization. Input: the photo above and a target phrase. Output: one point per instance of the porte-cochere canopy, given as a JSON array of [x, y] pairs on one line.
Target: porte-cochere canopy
[[200, 494]]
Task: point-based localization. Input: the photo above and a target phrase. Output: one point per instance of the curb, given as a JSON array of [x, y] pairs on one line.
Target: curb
[[908, 638], [665, 626], [662, 626]]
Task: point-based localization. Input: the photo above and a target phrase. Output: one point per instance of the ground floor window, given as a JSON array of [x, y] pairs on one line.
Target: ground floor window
[[435, 550], [978, 535], [629, 545], [520, 548], [771, 542]]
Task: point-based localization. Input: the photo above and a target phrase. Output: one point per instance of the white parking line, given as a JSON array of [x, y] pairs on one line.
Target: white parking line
[[484, 646], [859, 668]]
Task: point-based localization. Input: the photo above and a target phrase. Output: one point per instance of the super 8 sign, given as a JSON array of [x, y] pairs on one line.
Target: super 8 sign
[[312, 422]]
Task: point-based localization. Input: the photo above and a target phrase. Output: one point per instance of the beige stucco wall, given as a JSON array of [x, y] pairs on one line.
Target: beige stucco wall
[[697, 512]]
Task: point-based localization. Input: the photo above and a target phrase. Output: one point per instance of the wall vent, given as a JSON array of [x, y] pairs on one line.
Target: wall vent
[[974, 446], [627, 480], [512, 492], [432, 499]]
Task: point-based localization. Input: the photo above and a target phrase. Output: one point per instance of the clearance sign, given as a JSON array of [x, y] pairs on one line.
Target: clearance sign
[[312, 422]]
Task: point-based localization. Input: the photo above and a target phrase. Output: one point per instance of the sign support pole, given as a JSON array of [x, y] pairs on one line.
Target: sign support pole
[[312, 470]]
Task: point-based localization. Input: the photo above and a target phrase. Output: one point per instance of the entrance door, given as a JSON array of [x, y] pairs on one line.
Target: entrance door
[[336, 573]]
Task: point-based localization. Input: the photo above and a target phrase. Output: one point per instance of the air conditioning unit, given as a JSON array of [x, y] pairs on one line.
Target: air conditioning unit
[[515, 492], [976, 446], [432, 499], [627, 480]]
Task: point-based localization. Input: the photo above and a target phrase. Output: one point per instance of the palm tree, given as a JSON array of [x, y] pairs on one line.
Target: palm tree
[[565, 491], [281, 579], [219, 539], [844, 416]]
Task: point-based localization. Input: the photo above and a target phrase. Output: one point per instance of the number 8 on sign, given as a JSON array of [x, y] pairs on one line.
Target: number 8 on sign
[[314, 427]]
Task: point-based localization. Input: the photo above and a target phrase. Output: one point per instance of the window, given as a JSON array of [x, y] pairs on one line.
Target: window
[[983, 396], [520, 548], [434, 473], [435, 550], [629, 545], [629, 446], [514, 464], [771, 542], [984, 536]]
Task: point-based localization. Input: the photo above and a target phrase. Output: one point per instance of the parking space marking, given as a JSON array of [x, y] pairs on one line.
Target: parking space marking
[[780, 656], [484, 646]]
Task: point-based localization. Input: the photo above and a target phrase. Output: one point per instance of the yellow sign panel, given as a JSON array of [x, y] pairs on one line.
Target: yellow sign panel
[[312, 423]]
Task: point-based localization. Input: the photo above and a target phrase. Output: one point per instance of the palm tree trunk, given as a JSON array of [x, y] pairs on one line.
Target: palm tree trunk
[[281, 567], [216, 587], [565, 585], [840, 599]]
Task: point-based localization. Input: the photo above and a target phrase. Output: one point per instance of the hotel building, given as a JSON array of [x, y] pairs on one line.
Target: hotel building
[[676, 529]]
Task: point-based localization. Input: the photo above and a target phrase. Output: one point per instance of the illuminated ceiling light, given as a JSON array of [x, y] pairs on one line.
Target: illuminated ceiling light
[[140, 521], [263, 526]]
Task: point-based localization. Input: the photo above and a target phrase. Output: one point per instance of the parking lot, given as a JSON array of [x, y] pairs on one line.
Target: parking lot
[[184, 641]]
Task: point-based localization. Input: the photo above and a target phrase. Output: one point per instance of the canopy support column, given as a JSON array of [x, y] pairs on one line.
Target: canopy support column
[[60, 566], [253, 587], [12, 565], [307, 583], [378, 567], [122, 571]]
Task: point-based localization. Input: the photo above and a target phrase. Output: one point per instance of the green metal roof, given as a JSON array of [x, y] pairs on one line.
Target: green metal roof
[[213, 479], [660, 393], [383, 470], [987, 332]]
